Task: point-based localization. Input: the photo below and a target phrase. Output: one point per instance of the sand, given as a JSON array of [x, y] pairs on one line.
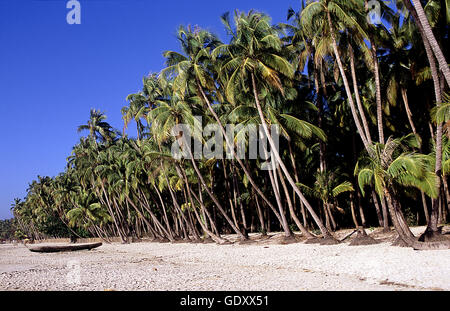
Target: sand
[[262, 266]]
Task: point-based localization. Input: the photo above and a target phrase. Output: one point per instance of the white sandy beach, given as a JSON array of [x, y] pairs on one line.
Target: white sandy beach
[[263, 266]]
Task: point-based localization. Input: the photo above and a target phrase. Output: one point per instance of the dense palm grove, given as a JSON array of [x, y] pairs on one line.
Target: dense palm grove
[[7, 230], [362, 111]]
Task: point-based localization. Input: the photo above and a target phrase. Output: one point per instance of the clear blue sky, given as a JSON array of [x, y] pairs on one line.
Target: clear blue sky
[[52, 73]]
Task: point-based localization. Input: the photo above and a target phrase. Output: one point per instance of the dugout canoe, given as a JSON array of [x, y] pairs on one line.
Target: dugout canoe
[[63, 248]]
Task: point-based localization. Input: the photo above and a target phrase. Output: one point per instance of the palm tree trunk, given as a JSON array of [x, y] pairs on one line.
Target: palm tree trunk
[[447, 196], [228, 188], [272, 176], [358, 98], [407, 109], [180, 211], [413, 128], [333, 222], [361, 211], [322, 146], [203, 223], [116, 223], [260, 216], [427, 38], [346, 84], [402, 229], [427, 32], [325, 232], [352, 208], [235, 197], [327, 216], [212, 196], [376, 72], [231, 148], [384, 208], [305, 232], [294, 167], [241, 206], [166, 219], [377, 208], [169, 236]]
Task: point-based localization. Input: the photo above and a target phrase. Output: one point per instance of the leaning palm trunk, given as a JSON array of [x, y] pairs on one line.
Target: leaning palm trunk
[[203, 222], [180, 211], [113, 216], [413, 128], [169, 236], [214, 237], [427, 38], [228, 189], [166, 219], [346, 84], [427, 33], [358, 98], [211, 195], [305, 232], [376, 73], [260, 215], [297, 180], [377, 208], [273, 177], [352, 209], [403, 230], [233, 152], [144, 202], [325, 232], [241, 207]]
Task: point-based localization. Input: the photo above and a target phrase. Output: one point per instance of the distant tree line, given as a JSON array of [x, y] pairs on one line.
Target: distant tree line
[[7, 229]]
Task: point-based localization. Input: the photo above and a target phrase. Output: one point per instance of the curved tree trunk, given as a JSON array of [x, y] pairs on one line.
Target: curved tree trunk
[[203, 223], [413, 128], [376, 73], [358, 98], [377, 208], [403, 231], [273, 177], [346, 84], [427, 32], [305, 232], [233, 152], [212, 196], [427, 38], [325, 232]]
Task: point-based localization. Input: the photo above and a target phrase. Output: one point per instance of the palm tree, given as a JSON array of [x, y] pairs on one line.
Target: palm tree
[[392, 167], [334, 12], [194, 71], [427, 35], [254, 53], [303, 80], [327, 189], [431, 45], [98, 128]]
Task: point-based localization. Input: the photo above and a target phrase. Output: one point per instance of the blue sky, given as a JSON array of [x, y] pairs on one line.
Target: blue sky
[[52, 73]]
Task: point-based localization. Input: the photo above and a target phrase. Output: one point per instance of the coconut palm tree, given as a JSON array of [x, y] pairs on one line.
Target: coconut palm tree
[[98, 128], [194, 70], [336, 13], [327, 189], [392, 167], [427, 34], [254, 62]]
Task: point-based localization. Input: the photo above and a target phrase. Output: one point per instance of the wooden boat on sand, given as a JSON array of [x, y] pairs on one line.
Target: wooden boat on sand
[[63, 248]]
